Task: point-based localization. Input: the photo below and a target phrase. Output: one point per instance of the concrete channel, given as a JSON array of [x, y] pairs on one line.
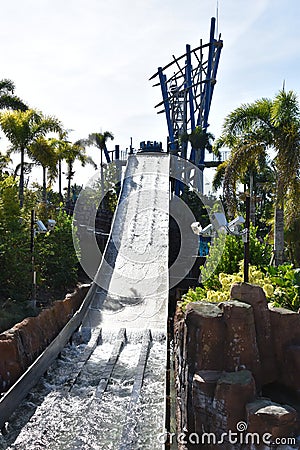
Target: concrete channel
[[116, 379]]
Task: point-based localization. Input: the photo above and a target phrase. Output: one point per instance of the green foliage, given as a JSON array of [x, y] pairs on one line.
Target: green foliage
[[56, 259], [8, 100], [226, 253], [15, 260], [286, 281], [196, 205], [250, 131], [198, 138], [281, 286], [13, 312]]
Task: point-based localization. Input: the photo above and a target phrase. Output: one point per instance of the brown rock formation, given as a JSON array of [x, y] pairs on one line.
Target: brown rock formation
[[205, 337], [241, 349], [23, 343], [255, 296], [203, 391], [233, 391], [265, 416], [286, 339], [224, 354]]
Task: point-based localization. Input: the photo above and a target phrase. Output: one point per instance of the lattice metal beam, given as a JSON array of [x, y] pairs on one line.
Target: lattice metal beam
[[187, 84]]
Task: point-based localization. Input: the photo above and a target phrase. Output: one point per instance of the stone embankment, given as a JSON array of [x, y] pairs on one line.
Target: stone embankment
[[225, 356], [23, 343]]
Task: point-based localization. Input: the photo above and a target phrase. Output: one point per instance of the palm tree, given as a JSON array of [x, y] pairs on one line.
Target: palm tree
[[22, 128], [7, 98], [99, 140], [4, 161], [71, 153], [251, 131], [201, 139], [43, 152], [62, 145]]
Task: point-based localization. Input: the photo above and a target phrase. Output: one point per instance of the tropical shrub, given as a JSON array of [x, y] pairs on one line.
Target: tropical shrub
[[15, 259], [56, 262], [227, 252], [56, 259], [286, 282], [281, 286]]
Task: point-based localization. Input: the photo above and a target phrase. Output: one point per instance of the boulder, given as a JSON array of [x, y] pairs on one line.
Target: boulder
[[22, 344], [265, 416], [240, 348], [205, 336], [255, 296], [203, 391], [12, 363], [233, 392], [286, 333], [291, 375], [31, 336]]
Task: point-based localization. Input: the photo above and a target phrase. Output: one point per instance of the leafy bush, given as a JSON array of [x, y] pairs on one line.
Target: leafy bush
[[286, 282], [56, 258], [15, 260], [280, 284], [227, 252]]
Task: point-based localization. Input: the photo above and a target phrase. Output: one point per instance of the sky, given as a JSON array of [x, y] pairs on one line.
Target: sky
[[88, 62]]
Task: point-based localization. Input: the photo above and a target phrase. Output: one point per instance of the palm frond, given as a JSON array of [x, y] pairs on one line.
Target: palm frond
[[219, 176], [8, 101], [248, 117], [6, 86], [285, 109]]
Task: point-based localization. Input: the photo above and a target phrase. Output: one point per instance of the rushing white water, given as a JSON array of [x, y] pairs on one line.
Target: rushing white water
[[108, 407], [64, 419]]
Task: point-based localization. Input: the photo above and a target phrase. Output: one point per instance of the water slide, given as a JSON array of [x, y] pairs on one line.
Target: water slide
[[133, 279], [109, 392]]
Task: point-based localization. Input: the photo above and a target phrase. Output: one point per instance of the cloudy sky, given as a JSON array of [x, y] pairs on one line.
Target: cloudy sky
[[88, 62]]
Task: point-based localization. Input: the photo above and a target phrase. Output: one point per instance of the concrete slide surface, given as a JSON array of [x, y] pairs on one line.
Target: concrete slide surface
[[132, 280]]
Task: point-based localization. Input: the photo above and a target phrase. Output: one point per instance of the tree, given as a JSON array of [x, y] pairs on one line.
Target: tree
[[7, 98], [251, 131], [99, 140], [15, 258], [43, 152], [62, 145], [56, 258], [4, 161], [259, 183], [201, 139], [22, 128], [70, 153]]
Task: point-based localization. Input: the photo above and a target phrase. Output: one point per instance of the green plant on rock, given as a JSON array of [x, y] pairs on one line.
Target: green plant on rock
[[281, 286], [286, 282]]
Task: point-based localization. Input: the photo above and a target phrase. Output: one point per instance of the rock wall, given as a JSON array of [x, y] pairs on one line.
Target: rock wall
[[224, 355], [23, 343]]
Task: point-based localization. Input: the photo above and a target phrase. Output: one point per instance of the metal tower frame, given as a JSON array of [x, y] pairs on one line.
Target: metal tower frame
[[187, 85]]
